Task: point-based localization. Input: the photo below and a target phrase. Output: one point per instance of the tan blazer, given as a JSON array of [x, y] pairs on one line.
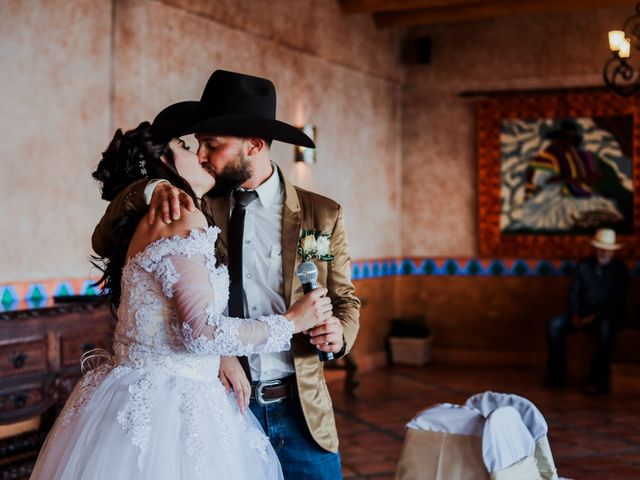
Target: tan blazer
[[301, 210]]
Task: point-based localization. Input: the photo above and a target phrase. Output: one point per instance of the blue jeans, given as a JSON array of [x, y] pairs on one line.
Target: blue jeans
[[300, 456]]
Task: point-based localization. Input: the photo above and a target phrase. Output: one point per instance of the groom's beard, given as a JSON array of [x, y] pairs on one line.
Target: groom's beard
[[232, 176]]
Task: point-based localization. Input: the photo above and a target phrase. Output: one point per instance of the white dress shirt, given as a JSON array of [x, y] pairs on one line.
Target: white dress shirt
[[151, 186], [262, 271]]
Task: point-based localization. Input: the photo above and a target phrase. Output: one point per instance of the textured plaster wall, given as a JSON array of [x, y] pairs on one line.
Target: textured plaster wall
[[535, 52], [354, 103], [73, 71], [395, 143], [501, 319], [54, 93]]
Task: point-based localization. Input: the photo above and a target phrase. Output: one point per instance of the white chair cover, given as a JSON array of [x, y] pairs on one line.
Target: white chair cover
[[506, 440], [449, 418], [487, 402]]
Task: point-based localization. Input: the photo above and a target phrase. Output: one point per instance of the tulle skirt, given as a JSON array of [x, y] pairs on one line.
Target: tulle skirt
[[125, 423]]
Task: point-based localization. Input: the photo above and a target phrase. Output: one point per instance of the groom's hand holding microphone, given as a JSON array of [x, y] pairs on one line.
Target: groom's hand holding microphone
[[327, 336]]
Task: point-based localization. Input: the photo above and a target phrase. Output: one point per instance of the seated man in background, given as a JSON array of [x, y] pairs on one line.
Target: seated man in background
[[598, 297]]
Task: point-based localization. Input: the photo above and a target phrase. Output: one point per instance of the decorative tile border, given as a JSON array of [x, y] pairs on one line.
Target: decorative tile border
[[364, 269], [40, 294]]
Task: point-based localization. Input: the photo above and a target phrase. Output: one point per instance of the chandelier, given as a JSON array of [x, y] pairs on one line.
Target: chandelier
[[618, 74]]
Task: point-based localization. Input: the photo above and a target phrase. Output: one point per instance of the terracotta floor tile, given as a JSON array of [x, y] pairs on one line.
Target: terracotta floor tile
[[591, 438]]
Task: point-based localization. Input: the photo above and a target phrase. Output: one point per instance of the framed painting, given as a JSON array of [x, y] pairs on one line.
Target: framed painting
[[552, 169]]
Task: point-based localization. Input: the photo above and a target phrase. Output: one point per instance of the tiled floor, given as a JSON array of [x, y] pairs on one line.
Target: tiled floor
[[594, 438]]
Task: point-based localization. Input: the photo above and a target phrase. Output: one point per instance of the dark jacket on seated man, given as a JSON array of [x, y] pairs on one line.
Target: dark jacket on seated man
[[597, 302], [600, 289]]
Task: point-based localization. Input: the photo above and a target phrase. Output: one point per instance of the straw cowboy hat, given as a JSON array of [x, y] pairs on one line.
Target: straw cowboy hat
[[232, 104], [605, 239]]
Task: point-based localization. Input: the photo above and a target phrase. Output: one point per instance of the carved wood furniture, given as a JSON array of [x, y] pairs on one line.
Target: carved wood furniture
[[40, 352]]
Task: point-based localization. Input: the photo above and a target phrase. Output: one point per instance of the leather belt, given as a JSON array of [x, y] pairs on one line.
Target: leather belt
[[272, 391]]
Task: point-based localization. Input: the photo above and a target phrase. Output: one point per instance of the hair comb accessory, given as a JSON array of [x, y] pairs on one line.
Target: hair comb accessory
[[142, 164]]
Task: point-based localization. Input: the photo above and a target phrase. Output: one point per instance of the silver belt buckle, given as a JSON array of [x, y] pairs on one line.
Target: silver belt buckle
[[259, 392]]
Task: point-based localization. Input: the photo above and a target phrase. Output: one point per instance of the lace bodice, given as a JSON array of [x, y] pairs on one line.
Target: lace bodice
[[170, 334], [171, 310]]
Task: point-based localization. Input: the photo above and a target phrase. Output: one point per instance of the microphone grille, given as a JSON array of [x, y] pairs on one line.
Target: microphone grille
[[307, 272]]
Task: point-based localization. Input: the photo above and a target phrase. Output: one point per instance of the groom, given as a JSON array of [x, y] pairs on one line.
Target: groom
[[261, 215]]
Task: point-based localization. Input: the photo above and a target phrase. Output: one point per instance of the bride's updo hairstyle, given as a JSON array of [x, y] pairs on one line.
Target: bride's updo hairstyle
[[135, 155], [131, 156]]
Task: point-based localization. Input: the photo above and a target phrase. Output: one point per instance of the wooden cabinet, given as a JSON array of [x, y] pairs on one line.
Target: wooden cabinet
[[40, 351], [23, 356], [74, 345]]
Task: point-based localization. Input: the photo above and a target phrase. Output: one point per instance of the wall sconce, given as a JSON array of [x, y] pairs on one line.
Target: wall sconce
[[304, 154], [618, 74]]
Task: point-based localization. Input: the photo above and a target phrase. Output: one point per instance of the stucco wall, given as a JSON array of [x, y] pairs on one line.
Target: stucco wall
[[74, 71], [54, 92], [395, 143], [519, 53]]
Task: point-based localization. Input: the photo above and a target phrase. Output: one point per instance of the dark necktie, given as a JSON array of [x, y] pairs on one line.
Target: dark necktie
[[236, 233]]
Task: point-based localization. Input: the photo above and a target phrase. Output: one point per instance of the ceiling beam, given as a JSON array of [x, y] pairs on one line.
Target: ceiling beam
[[491, 9], [370, 6]]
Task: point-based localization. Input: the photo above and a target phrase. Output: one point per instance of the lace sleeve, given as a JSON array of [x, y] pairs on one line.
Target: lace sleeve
[[188, 281]]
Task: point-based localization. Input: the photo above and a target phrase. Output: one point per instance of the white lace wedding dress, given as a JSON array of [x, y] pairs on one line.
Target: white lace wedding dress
[[158, 410]]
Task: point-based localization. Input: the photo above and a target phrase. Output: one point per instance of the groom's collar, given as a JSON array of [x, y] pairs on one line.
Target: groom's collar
[[270, 189], [290, 195], [291, 201]]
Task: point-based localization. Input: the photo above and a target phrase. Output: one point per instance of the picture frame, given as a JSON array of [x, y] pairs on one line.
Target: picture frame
[[552, 168]]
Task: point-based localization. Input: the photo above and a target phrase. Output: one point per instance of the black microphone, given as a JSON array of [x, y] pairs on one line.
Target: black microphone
[[307, 273]]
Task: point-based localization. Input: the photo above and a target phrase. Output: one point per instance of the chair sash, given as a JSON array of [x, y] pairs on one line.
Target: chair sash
[[544, 458], [525, 469]]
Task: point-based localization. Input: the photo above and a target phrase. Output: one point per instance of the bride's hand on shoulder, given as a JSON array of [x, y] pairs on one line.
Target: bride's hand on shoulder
[[233, 378], [310, 310], [166, 203], [189, 220], [146, 234]]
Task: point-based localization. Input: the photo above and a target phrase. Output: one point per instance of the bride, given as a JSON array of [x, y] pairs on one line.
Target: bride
[[157, 410]]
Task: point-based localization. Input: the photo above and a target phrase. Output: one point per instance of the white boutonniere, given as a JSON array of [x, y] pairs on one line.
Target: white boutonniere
[[313, 245]]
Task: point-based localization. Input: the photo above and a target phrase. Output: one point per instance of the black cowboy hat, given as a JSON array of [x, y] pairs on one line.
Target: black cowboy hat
[[174, 120], [232, 104]]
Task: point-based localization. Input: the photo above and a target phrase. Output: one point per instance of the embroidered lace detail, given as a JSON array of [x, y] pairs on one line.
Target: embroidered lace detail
[[153, 258], [251, 434], [226, 340], [224, 343], [86, 387], [193, 396], [83, 392], [135, 418], [199, 242], [191, 430], [166, 273], [280, 333]]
